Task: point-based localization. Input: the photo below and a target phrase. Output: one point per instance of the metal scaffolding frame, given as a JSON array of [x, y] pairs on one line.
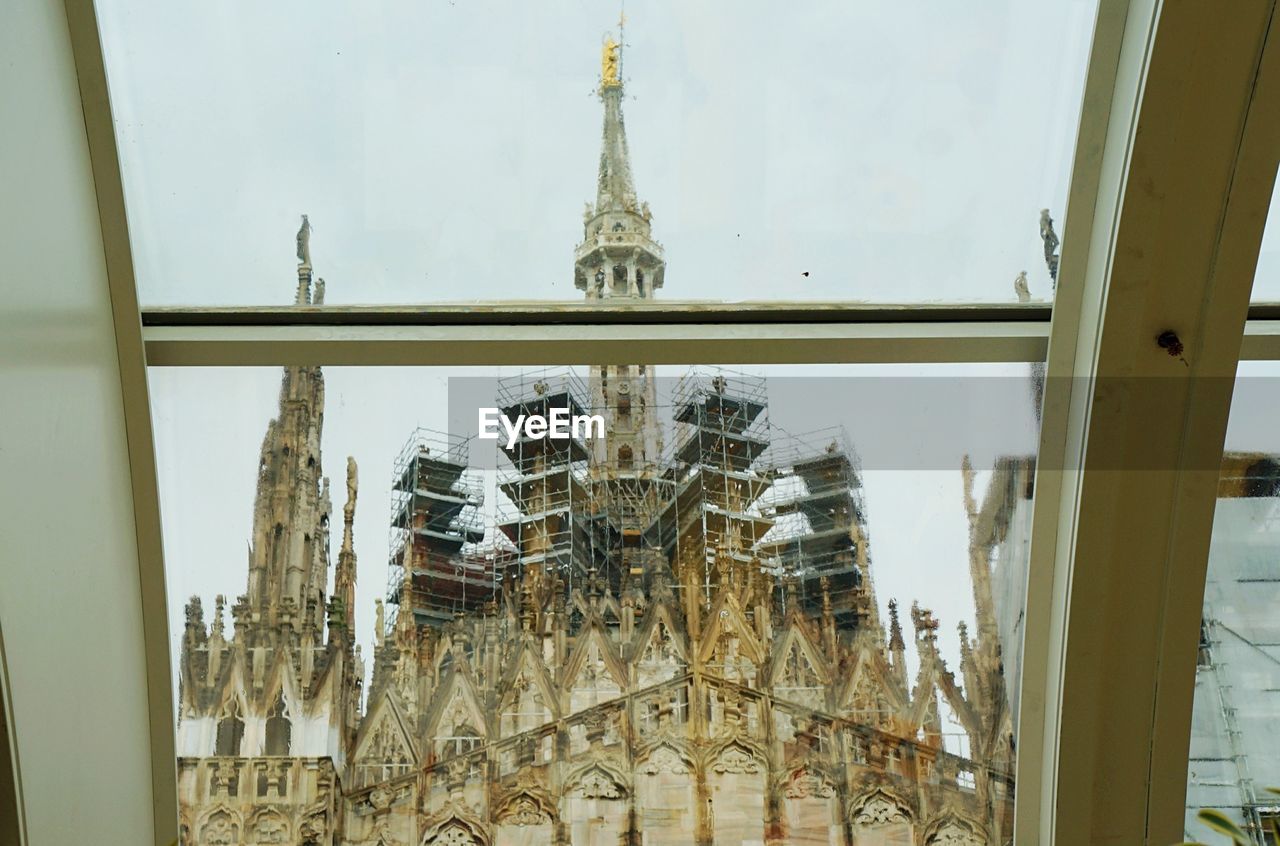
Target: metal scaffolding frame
[[544, 480], [819, 537], [437, 564], [722, 430], [730, 490]]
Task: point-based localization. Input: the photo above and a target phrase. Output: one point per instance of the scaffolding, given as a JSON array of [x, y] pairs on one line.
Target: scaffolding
[[819, 536], [722, 430], [730, 495], [544, 480], [625, 513], [437, 564]]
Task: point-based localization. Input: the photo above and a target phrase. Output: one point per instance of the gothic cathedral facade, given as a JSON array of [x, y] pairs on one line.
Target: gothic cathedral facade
[[642, 656]]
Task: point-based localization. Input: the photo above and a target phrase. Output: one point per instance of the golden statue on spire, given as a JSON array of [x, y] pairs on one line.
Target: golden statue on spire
[[609, 59]]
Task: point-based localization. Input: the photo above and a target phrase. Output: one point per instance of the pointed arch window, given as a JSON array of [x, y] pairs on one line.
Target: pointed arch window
[[464, 739], [279, 733], [230, 730]]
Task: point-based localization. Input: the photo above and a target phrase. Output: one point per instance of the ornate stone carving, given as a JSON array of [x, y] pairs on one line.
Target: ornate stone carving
[[304, 243], [736, 760], [380, 798], [224, 778], [880, 810], [798, 679], [269, 827], [597, 784], [1020, 287], [525, 811], [728, 660], [664, 760], [805, 784], [954, 834], [313, 828], [454, 835], [220, 829]]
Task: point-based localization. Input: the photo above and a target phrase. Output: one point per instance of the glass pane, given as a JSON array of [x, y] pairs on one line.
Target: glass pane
[[684, 620], [444, 151], [1266, 279], [1234, 763]]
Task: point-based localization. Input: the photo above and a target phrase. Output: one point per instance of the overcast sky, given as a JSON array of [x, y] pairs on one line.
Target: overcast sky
[[444, 148]]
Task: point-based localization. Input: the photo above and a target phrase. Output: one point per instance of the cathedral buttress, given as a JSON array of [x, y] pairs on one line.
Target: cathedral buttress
[[268, 716]]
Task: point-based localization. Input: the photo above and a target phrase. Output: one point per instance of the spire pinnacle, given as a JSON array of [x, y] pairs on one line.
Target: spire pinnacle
[[303, 240], [611, 56], [610, 64], [345, 580], [618, 256], [349, 510]]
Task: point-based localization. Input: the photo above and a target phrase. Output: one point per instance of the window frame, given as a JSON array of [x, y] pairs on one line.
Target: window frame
[[1136, 79]]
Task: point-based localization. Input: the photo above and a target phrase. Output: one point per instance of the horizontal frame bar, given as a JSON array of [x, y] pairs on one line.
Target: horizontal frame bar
[[1261, 340], [579, 313], [676, 334], [547, 344]]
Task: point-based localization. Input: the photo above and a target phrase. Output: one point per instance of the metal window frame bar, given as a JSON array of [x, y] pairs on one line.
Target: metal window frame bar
[[86, 47], [1052, 784], [551, 334], [556, 344]]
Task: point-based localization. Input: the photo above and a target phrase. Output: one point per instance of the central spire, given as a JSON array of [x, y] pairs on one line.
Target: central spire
[[619, 261], [617, 257], [616, 190]]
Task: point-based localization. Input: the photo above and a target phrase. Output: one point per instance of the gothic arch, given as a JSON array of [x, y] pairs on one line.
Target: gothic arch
[[607, 663], [665, 757], [952, 829], [809, 801], [730, 647], [807, 780], [737, 755], [278, 729], [229, 727], [598, 780], [879, 806], [455, 830], [267, 825], [527, 805], [455, 703], [221, 826], [869, 697], [527, 676], [278, 679], [797, 669], [737, 777], [661, 652]]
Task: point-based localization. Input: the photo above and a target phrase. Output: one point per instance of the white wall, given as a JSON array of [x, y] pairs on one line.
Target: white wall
[[70, 604]]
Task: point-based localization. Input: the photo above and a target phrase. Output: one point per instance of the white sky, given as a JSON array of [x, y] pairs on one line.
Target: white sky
[[444, 148]]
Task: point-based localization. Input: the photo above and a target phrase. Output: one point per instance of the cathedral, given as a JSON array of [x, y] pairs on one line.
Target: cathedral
[[666, 635]]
